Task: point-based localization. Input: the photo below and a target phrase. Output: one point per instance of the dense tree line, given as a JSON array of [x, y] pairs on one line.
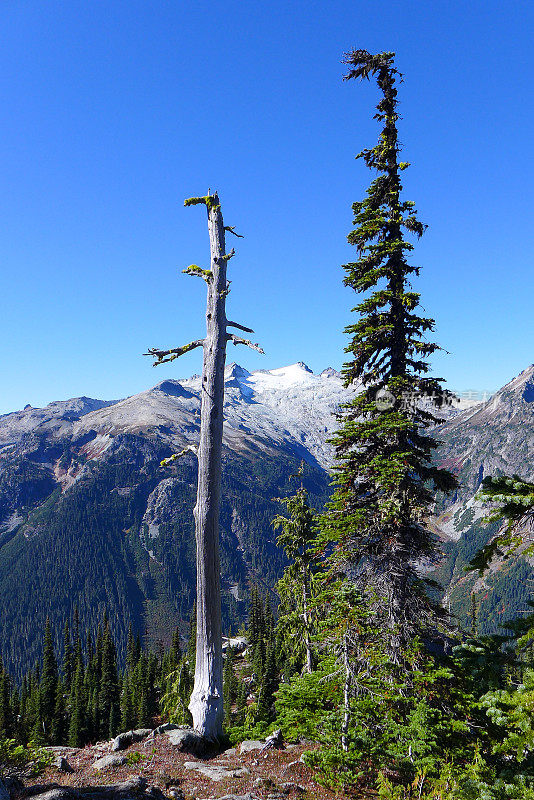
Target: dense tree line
[[84, 696]]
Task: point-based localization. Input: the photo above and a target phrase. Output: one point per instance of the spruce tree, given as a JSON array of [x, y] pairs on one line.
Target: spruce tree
[[68, 656], [6, 714], [385, 477], [108, 694], [269, 685], [49, 682], [59, 728], [298, 533], [78, 708], [127, 706], [230, 685]]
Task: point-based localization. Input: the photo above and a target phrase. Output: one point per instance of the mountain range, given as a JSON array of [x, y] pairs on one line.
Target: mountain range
[[89, 518]]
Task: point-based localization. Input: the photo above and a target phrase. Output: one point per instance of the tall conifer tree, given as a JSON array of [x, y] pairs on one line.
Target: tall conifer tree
[[49, 682], [384, 474]]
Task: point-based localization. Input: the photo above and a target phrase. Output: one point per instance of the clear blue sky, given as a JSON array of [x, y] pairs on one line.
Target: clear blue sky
[[113, 111]]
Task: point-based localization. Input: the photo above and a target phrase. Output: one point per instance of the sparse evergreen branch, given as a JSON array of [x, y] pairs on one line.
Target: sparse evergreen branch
[[190, 448], [198, 272], [211, 201], [165, 356], [511, 500]]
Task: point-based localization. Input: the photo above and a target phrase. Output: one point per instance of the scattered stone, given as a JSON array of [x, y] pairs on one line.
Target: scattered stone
[[236, 797], [292, 787], [265, 783], [124, 740], [176, 793], [62, 764], [295, 769], [249, 745], [215, 772], [107, 762]]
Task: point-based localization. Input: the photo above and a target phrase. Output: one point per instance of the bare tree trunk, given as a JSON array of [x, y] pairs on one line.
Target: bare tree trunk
[[206, 704]]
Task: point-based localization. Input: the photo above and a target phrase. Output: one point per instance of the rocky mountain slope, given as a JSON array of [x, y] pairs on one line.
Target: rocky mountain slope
[[89, 518], [492, 438]]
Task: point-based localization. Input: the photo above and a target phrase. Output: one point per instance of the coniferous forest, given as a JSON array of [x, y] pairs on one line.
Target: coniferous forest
[[352, 650]]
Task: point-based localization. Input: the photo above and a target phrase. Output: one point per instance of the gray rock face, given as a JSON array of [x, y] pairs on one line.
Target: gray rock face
[[107, 762], [216, 772], [186, 740]]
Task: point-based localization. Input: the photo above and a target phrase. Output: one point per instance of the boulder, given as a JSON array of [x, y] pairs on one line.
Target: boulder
[[251, 744], [53, 792], [167, 726], [186, 740], [133, 786], [62, 764], [236, 797], [106, 762], [124, 740], [216, 772]]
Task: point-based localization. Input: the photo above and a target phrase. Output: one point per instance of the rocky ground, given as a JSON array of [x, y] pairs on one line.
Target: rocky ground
[[171, 763]]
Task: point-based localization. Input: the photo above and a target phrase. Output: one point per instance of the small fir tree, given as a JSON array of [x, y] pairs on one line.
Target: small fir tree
[[298, 533]]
